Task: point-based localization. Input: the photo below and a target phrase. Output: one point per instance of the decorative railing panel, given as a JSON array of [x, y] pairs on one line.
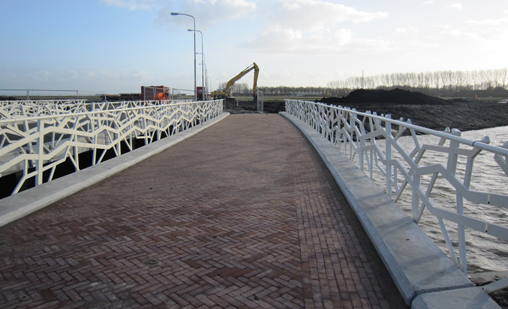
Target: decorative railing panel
[[415, 165], [37, 138], [10, 109]]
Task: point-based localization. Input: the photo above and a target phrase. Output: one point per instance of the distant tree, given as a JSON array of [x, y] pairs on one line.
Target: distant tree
[[434, 83], [503, 75]]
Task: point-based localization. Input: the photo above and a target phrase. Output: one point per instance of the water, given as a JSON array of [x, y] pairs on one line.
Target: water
[[484, 252]]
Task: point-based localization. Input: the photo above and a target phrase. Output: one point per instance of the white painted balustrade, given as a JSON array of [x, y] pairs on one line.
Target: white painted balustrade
[[36, 137], [415, 169]]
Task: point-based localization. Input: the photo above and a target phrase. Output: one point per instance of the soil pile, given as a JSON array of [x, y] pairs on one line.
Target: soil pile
[[396, 96], [426, 111], [423, 110]]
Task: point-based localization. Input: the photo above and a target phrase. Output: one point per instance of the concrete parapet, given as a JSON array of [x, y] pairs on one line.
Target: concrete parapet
[[26, 202], [415, 262]]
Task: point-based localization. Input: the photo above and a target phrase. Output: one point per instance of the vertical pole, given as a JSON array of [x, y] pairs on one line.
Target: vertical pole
[[415, 214], [452, 167], [195, 88], [362, 143], [202, 68], [388, 157], [351, 131], [40, 152], [94, 151]]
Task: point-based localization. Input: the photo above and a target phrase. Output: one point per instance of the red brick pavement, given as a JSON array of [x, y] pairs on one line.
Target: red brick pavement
[[238, 216]]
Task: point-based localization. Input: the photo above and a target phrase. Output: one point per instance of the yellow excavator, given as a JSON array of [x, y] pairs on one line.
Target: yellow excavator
[[229, 86]]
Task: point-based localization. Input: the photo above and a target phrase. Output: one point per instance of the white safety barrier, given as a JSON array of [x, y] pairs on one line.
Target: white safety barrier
[[374, 143], [10, 109], [35, 137]]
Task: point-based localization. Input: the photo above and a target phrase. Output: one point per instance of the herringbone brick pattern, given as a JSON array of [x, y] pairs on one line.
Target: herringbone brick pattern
[[238, 216]]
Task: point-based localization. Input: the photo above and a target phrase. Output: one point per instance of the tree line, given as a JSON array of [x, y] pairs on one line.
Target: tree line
[[245, 89], [439, 83], [443, 83]]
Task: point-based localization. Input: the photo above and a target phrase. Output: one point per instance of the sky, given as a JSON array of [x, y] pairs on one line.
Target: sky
[[117, 46]]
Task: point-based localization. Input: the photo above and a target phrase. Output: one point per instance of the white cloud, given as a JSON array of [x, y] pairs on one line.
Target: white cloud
[[491, 31], [410, 30], [72, 75], [342, 37], [310, 26], [342, 40], [429, 2], [488, 22], [457, 6], [207, 12], [42, 75], [130, 4], [317, 15]]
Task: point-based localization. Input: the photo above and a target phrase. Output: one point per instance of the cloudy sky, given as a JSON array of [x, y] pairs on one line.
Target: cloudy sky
[[118, 45]]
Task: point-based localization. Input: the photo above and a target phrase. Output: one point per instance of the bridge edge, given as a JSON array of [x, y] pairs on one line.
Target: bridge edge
[[452, 279]]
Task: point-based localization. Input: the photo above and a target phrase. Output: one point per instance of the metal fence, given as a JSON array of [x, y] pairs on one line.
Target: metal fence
[[37, 137], [417, 168], [259, 101]]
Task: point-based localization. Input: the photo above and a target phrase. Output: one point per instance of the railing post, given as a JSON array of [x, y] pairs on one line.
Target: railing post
[[452, 167], [92, 121], [40, 151], [202, 113], [388, 157], [119, 141], [145, 126], [415, 214], [351, 133]]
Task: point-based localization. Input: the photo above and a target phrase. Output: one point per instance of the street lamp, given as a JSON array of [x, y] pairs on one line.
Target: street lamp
[[175, 13], [202, 63], [203, 69]]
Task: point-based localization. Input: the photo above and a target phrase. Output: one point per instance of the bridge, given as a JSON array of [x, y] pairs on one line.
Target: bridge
[[249, 210]]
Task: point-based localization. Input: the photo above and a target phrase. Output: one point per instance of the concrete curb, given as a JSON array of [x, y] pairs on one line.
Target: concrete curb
[[29, 201], [414, 261], [470, 298]]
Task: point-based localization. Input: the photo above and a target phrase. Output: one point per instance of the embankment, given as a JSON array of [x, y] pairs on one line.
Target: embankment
[[423, 110]]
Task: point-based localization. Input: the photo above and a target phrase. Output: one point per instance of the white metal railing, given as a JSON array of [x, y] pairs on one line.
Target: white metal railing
[[36, 144], [375, 143], [9, 109]]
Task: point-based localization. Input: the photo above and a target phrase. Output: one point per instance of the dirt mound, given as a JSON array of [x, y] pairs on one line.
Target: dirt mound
[[426, 111], [396, 96]]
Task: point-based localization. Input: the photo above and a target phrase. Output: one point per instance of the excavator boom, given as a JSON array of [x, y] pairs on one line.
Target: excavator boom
[[251, 67]]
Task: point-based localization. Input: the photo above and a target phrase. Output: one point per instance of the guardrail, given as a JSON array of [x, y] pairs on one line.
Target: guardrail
[[36, 144], [10, 109], [412, 170]]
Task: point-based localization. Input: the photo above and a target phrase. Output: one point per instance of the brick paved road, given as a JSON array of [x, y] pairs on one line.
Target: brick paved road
[[238, 216]]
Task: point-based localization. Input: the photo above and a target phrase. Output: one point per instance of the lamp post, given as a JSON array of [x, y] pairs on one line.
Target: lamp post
[[203, 71], [175, 13], [202, 63]]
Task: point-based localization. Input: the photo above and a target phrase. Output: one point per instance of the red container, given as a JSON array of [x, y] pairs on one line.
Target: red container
[[149, 93]]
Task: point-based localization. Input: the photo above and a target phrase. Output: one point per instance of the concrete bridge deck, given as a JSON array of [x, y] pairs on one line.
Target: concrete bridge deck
[[242, 215]]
